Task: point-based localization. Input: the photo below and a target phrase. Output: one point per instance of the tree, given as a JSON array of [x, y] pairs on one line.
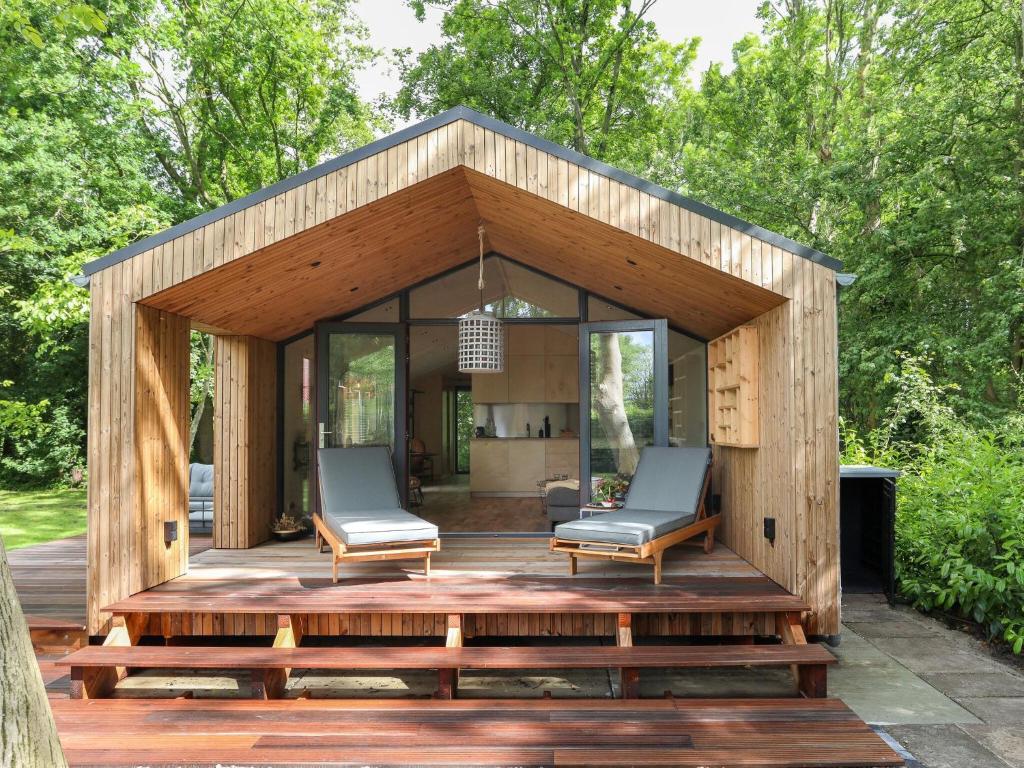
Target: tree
[[28, 735], [610, 402], [233, 96], [594, 75]]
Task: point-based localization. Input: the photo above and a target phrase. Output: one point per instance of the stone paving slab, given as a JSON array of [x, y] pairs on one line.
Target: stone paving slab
[[961, 684], [923, 655], [945, 746], [996, 710], [1006, 742]]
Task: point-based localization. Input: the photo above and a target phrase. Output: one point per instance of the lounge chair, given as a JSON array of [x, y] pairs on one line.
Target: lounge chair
[[665, 505], [361, 514]]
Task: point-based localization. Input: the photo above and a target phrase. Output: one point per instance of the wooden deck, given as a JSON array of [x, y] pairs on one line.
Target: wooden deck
[[767, 733], [503, 586]]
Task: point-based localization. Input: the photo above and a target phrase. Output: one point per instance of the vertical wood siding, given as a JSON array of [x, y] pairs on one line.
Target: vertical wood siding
[[244, 441], [793, 476], [137, 440]]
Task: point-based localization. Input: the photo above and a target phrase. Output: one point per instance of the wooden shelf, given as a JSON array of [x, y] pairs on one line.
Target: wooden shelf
[[733, 388]]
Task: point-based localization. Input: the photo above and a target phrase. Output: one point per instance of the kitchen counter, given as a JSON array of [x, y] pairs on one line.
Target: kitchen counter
[[513, 466]]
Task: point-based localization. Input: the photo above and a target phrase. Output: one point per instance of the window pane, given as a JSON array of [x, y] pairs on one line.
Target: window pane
[[361, 390], [621, 401], [510, 291], [298, 425], [687, 384], [381, 313], [598, 309]]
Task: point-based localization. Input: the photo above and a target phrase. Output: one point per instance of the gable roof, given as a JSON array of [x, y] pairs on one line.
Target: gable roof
[[482, 121]]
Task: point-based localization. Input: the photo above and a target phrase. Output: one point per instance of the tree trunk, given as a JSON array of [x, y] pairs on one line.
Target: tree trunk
[[610, 403], [28, 736]]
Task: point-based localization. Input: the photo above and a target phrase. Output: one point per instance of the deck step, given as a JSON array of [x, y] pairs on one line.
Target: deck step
[[771, 733], [53, 635], [812, 658], [469, 657]]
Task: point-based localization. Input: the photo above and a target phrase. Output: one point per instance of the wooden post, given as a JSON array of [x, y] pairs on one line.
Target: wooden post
[[448, 679], [271, 683], [811, 680], [98, 683], [28, 736], [629, 677]]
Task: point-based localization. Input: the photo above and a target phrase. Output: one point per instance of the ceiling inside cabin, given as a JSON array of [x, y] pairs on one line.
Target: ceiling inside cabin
[[431, 227]]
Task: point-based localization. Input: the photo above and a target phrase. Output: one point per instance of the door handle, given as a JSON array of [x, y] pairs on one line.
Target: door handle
[[321, 432]]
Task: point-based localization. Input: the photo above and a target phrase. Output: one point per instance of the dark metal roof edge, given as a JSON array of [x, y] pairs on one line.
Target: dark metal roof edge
[[484, 121]]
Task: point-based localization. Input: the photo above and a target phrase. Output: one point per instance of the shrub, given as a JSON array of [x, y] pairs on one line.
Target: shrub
[[960, 515]]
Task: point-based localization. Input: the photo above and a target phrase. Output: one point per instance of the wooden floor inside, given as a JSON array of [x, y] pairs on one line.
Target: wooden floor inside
[[822, 732]]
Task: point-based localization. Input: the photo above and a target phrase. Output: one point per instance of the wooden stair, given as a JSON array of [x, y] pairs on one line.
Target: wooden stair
[[87, 683], [50, 635], [770, 733]]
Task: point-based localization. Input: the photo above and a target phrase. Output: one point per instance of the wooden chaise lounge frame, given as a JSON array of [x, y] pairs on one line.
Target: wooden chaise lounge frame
[[650, 552], [399, 550]]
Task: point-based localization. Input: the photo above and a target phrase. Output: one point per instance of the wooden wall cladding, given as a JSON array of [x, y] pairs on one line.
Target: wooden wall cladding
[[244, 441], [710, 277], [137, 442], [794, 475]]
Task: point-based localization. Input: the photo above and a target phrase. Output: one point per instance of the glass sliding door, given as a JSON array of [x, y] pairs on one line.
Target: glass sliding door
[[623, 397], [361, 389]]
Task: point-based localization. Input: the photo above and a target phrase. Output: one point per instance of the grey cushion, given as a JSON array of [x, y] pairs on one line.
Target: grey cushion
[[663, 496], [200, 481], [360, 500], [624, 526], [669, 479]]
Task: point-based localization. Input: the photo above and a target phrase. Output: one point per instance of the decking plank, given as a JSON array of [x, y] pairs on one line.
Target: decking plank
[[773, 733], [471, 657], [460, 594]]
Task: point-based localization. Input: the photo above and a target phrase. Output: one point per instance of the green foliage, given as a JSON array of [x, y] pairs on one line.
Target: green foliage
[[117, 119], [960, 516], [593, 76]]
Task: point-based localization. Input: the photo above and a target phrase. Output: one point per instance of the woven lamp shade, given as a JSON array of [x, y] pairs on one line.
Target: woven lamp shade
[[481, 344]]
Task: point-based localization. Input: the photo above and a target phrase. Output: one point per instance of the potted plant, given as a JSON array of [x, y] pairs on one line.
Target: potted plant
[[288, 528]]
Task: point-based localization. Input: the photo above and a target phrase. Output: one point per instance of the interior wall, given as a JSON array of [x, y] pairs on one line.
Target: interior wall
[[428, 419], [245, 441], [137, 442], [793, 476]]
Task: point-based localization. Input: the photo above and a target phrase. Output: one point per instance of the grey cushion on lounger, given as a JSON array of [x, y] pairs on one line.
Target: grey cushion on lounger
[[360, 498], [663, 497]]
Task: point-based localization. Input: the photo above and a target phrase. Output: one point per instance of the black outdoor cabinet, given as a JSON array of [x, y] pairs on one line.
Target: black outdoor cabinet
[[867, 529]]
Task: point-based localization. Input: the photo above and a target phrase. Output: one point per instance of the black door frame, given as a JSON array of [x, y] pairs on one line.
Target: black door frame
[[660, 329], [400, 455]]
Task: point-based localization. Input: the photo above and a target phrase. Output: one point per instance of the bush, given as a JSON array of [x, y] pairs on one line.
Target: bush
[[960, 515], [40, 444]]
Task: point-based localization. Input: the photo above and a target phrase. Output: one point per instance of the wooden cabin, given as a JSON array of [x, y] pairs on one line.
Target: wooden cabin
[[334, 298], [631, 317]]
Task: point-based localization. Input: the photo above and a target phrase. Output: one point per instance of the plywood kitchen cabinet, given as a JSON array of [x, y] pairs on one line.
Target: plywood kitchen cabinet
[[491, 387], [526, 379], [561, 379], [488, 465], [562, 457]]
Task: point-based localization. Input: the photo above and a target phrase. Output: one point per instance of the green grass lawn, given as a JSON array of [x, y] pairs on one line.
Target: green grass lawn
[[32, 517]]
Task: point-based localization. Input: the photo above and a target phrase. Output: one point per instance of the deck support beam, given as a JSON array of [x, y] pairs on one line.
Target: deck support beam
[[448, 679], [98, 683], [271, 683], [811, 679], [629, 677]]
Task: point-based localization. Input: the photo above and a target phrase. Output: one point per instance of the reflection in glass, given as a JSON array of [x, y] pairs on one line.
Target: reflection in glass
[[511, 291], [361, 390], [621, 401], [297, 415], [687, 391]]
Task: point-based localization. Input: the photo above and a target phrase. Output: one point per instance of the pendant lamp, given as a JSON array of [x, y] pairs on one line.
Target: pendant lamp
[[481, 337]]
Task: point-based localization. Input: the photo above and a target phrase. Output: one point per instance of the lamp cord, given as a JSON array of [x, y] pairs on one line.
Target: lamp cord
[[480, 279]]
